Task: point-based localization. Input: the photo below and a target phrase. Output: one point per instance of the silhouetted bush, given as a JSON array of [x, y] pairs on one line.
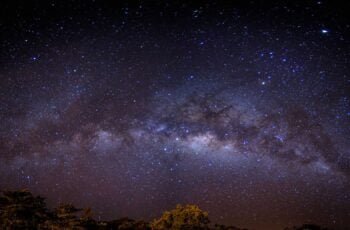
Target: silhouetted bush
[[20, 210]]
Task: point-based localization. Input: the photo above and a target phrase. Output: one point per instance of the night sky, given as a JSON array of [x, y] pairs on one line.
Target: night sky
[[133, 107]]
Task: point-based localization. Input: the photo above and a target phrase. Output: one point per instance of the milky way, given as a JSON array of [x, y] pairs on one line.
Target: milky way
[[131, 109]]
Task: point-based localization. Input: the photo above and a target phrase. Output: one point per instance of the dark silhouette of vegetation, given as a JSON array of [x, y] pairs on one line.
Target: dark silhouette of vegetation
[[307, 227], [21, 210], [182, 217], [224, 227]]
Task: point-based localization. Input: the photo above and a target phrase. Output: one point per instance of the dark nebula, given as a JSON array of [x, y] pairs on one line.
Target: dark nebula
[[132, 108]]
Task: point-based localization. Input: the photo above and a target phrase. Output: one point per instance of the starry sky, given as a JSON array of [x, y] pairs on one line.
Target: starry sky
[[132, 107]]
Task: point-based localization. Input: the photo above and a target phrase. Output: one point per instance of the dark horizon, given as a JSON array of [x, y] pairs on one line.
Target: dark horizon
[[132, 107], [20, 209]]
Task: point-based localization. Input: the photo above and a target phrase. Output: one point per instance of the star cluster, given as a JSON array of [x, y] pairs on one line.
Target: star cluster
[[131, 108]]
